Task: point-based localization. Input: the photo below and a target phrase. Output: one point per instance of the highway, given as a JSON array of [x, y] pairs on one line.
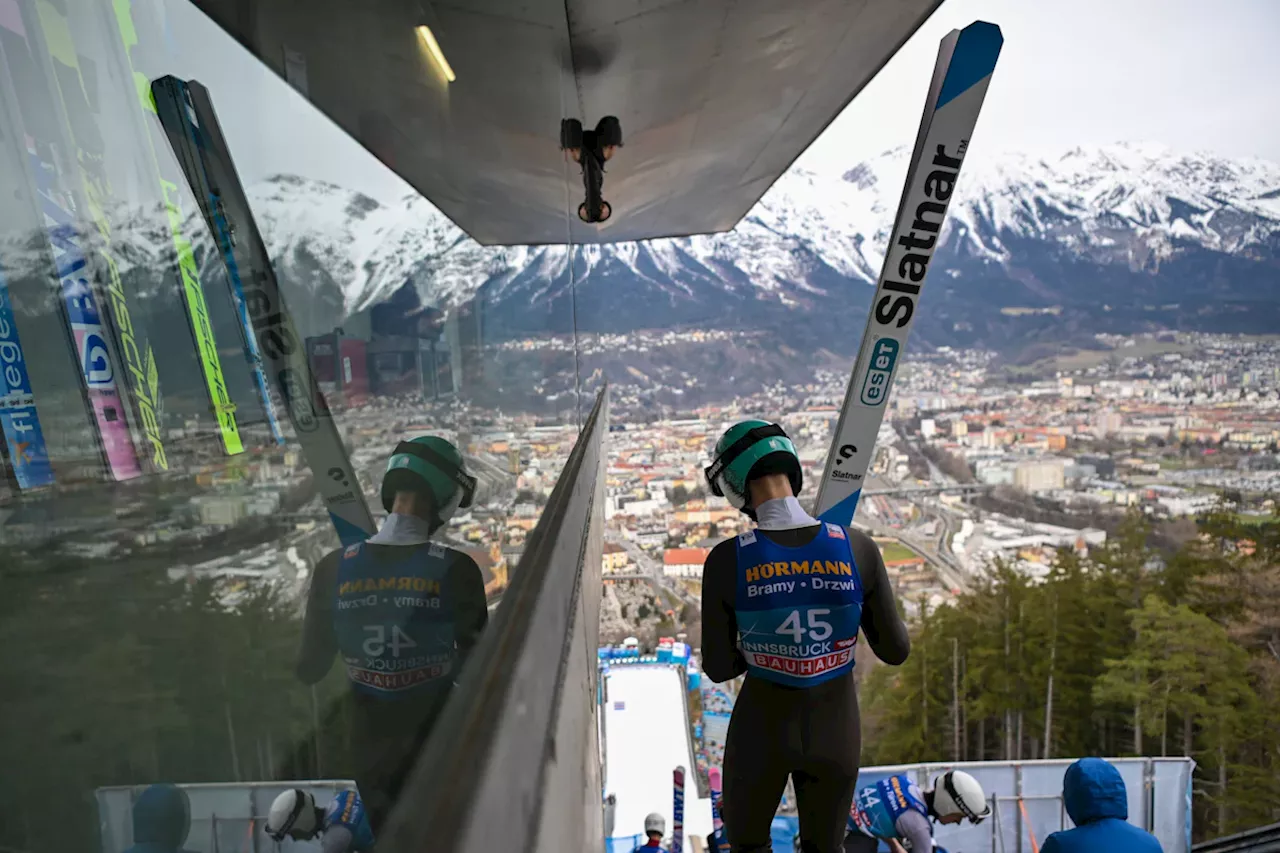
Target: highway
[[935, 550]]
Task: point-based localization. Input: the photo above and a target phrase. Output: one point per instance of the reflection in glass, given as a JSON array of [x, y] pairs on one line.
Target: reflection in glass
[[175, 592]]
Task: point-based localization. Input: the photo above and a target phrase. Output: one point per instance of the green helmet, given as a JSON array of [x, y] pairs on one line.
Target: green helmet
[[431, 464], [748, 450]]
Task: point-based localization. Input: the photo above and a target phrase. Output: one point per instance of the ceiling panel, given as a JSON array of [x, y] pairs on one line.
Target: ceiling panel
[[716, 98]]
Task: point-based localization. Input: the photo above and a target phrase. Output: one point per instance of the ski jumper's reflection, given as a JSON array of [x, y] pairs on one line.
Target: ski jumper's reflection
[[403, 611]]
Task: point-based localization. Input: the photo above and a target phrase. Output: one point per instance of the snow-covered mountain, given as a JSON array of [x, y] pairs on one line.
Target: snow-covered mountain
[[1132, 227]]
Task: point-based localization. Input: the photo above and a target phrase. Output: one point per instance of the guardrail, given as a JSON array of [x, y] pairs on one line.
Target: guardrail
[[1262, 839], [513, 755]]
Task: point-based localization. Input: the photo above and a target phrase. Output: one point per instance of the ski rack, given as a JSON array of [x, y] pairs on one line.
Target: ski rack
[[191, 124], [966, 60]]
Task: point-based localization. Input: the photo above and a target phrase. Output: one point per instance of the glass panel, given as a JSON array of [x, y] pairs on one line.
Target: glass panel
[[171, 515]]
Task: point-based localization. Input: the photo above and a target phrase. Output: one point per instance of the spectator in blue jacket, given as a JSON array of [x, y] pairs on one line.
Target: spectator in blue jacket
[[161, 820], [1095, 797]]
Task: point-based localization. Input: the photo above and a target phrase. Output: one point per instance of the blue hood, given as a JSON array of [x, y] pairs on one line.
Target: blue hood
[[161, 817], [1093, 789]]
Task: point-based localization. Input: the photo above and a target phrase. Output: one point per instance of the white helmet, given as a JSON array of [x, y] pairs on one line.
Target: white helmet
[[655, 823], [957, 793], [293, 814]]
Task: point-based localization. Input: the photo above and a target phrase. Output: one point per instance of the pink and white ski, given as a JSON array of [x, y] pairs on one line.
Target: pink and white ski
[[677, 810], [717, 823]]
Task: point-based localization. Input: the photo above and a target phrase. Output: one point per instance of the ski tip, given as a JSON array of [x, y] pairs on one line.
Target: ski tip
[[973, 60]]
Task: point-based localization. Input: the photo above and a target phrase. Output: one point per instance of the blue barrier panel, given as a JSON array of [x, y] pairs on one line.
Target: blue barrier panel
[[623, 843]]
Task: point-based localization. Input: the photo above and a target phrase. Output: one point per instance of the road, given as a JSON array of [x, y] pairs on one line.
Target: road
[[649, 569]]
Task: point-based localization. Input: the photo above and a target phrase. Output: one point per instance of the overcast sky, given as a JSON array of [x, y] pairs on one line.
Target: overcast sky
[[1191, 74]]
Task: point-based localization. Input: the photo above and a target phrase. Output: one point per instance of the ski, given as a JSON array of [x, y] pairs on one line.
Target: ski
[[717, 804], [19, 420], [677, 810], [966, 60], [35, 138], [169, 185], [187, 115], [67, 73]]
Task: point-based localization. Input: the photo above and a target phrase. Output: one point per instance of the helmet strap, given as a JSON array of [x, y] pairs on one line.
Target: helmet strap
[[717, 468], [446, 466], [949, 786], [299, 802]]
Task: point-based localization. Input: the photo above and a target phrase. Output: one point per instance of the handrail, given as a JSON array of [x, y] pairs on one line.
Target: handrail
[[480, 774], [1261, 839]]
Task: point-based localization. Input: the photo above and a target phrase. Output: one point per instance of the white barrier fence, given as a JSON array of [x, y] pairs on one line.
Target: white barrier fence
[[226, 817], [1026, 798]]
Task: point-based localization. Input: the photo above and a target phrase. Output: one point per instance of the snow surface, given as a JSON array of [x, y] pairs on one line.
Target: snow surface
[[644, 742]]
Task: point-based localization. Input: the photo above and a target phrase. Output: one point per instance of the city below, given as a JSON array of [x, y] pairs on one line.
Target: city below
[[977, 461]]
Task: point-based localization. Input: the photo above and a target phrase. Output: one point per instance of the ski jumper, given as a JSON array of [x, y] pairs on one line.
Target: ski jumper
[[891, 808], [346, 822], [402, 618], [781, 606]]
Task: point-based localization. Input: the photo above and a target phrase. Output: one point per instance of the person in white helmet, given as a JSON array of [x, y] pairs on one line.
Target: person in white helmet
[[343, 827], [895, 809], [655, 826]]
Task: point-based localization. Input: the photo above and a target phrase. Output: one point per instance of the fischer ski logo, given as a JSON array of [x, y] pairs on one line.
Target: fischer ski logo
[[966, 60], [220, 401]]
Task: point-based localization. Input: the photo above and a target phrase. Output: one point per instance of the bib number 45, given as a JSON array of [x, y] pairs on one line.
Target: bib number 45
[[819, 629], [379, 639]]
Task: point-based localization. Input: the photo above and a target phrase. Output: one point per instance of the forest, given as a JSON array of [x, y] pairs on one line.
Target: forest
[[1125, 651]]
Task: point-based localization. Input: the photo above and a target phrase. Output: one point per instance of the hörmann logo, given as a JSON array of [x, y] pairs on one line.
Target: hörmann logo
[[921, 240]]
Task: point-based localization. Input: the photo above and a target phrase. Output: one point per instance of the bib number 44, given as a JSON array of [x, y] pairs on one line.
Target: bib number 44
[[818, 629]]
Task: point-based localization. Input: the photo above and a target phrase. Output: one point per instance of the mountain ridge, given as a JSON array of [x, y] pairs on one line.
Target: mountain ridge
[[1138, 224]]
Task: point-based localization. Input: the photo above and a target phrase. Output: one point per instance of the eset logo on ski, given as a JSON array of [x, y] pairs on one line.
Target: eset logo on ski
[[883, 358], [295, 393]]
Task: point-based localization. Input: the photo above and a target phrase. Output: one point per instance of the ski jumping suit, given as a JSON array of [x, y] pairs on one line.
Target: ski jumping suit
[[891, 808], [784, 606], [346, 826], [403, 618]]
